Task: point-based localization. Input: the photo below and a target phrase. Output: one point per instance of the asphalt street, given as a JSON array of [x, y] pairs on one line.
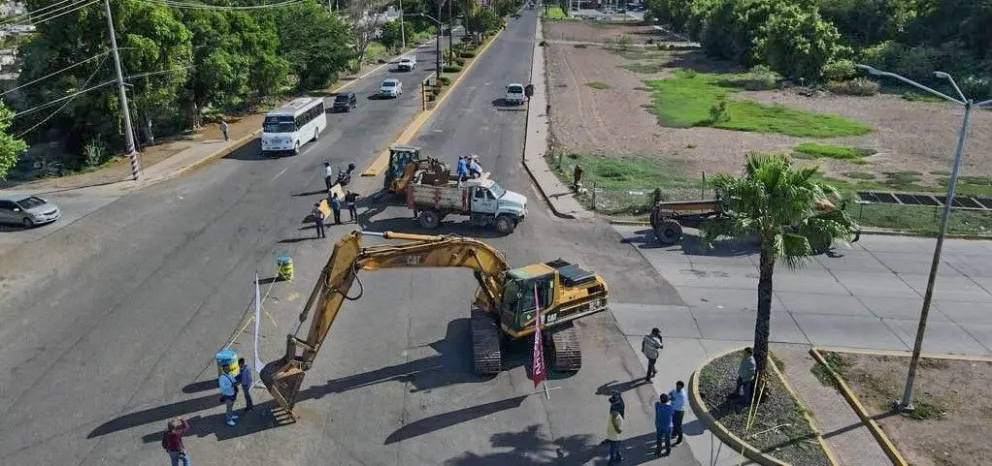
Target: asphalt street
[[111, 323]]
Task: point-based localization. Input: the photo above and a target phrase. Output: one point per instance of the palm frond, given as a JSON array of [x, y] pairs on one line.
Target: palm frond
[[795, 250]]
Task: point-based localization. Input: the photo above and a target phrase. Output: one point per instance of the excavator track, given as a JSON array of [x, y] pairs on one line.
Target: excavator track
[[566, 355], [487, 358]]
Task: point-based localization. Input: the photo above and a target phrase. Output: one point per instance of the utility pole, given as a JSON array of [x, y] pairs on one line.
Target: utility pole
[[451, 30], [126, 113], [402, 26]]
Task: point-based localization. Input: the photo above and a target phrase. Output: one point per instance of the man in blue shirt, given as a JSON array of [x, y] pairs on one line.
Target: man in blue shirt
[[663, 425], [679, 400], [462, 169]]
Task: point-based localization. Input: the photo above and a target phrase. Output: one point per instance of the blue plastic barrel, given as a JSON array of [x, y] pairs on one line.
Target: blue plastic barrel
[[228, 358], [285, 264]]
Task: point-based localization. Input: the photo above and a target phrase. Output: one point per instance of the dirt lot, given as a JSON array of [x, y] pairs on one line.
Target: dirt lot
[[914, 136], [954, 395]]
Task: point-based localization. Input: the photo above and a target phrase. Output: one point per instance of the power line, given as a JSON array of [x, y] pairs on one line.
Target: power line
[[92, 88], [57, 72], [66, 104], [202, 6], [38, 18], [63, 13], [27, 16]]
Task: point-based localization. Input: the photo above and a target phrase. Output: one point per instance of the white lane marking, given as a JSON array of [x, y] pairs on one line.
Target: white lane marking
[[278, 174]]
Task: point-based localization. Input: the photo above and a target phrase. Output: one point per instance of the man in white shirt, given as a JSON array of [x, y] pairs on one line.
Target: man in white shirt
[[650, 346], [328, 181], [679, 402]]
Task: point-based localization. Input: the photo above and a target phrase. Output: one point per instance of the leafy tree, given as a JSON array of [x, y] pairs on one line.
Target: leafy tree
[[781, 206], [365, 16], [315, 42], [10, 147], [392, 35], [733, 28], [867, 22], [798, 43]]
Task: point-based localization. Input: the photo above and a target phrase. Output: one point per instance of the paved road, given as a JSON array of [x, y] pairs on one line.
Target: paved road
[[111, 322], [867, 295], [122, 308]]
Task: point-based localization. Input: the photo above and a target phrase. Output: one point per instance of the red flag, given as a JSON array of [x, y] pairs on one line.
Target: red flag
[[539, 370]]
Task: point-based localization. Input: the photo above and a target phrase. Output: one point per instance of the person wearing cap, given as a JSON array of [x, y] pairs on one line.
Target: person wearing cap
[[473, 166], [228, 394], [318, 220], [614, 427]]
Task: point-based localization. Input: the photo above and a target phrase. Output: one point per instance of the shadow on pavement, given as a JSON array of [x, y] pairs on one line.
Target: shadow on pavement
[[200, 386], [607, 388], [531, 446], [441, 421], [692, 245], [250, 152]]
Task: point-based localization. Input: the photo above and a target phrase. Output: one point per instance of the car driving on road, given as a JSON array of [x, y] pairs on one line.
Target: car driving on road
[[391, 88], [27, 210], [515, 94], [408, 64], [344, 102]]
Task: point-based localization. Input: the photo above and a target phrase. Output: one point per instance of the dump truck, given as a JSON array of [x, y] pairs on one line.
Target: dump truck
[[434, 196], [509, 305]]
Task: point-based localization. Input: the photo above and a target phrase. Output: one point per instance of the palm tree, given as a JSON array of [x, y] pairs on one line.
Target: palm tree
[[789, 210]]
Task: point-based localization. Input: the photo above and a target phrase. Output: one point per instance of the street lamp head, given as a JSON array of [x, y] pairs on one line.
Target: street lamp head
[[941, 75], [868, 69]]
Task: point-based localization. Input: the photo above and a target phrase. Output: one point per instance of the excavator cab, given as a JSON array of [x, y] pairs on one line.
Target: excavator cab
[[400, 157], [561, 290], [523, 295]]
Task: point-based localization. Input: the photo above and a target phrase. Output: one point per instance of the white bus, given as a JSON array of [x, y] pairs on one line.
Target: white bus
[[289, 127]]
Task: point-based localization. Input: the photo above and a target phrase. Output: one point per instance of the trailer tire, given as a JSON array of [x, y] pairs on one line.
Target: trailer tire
[[668, 232], [505, 225], [429, 219]]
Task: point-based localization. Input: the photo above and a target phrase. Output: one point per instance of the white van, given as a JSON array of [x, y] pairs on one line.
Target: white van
[[515, 94]]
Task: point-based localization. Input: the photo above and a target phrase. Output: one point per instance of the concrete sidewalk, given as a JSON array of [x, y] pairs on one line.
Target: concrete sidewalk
[[559, 196]]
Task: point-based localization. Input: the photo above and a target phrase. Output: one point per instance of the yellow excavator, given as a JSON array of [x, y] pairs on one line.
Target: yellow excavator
[[504, 307]]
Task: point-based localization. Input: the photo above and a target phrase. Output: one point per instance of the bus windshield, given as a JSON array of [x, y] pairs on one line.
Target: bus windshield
[[279, 125]]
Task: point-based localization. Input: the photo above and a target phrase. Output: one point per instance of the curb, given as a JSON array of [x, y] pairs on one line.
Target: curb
[[809, 419], [523, 155], [379, 164], [727, 437], [633, 223], [876, 430], [958, 357], [237, 145]]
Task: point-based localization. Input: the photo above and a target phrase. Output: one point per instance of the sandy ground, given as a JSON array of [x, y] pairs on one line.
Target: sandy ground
[[961, 392], [916, 136]]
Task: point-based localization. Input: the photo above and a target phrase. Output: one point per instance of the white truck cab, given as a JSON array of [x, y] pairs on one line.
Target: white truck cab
[[408, 63], [515, 94]]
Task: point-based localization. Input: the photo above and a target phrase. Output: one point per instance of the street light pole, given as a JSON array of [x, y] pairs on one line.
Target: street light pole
[[907, 397], [125, 111], [451, 30], [402, 26], [437, 59]]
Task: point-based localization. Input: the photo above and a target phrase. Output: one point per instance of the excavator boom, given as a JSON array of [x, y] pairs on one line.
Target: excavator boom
[[284, 376]]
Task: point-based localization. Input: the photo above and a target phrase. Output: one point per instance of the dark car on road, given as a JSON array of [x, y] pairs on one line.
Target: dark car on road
[[345, 101]]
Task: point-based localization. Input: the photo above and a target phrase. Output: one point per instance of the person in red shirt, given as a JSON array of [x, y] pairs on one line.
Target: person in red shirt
[[172, 441]]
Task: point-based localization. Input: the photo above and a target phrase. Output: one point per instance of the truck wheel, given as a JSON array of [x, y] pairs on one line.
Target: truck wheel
[[505, 225], [668, 232], [820, 246], [429, 219]]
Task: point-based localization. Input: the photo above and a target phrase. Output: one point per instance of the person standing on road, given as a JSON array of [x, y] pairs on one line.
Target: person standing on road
[[663, 425], [745, 375], [462, 168], [228, 393], [336, 208], [318, 220], [349, 202], [328, 180], [172, 441], [614, 427], [679, 400], [577, 177], [651, 346], [223, 129], [245, 379]]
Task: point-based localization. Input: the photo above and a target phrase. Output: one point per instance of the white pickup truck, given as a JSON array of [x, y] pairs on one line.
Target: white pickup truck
[[483, 201], [408, 63]]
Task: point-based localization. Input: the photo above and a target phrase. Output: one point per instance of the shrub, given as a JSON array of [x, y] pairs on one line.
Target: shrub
[[719, 114], [467, 54], [460, 61], [839, 70], [451, 68], [445, 81], [94, 153], [856, 86]]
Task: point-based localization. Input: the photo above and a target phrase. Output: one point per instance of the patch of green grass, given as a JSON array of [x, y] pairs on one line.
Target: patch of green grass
[[920, 97], [941, 172], [924, 408], [598, 85], [374, 52], [860, 175], [621, 172], [686, 101], [836, 362], [554, 13], [645, 68], [816, 150], [921, 219]]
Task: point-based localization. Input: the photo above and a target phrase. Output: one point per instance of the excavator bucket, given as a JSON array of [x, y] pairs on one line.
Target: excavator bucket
[[283, 381]]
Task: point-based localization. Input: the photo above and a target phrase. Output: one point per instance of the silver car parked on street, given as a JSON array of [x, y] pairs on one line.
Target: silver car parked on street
[[27, 210]]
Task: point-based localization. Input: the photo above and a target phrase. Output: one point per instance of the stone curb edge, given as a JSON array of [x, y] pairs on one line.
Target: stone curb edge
[[806, 413], [523, 154], [378, 164], [960, 357], [237, 145], [876, 430], [721, 432]]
